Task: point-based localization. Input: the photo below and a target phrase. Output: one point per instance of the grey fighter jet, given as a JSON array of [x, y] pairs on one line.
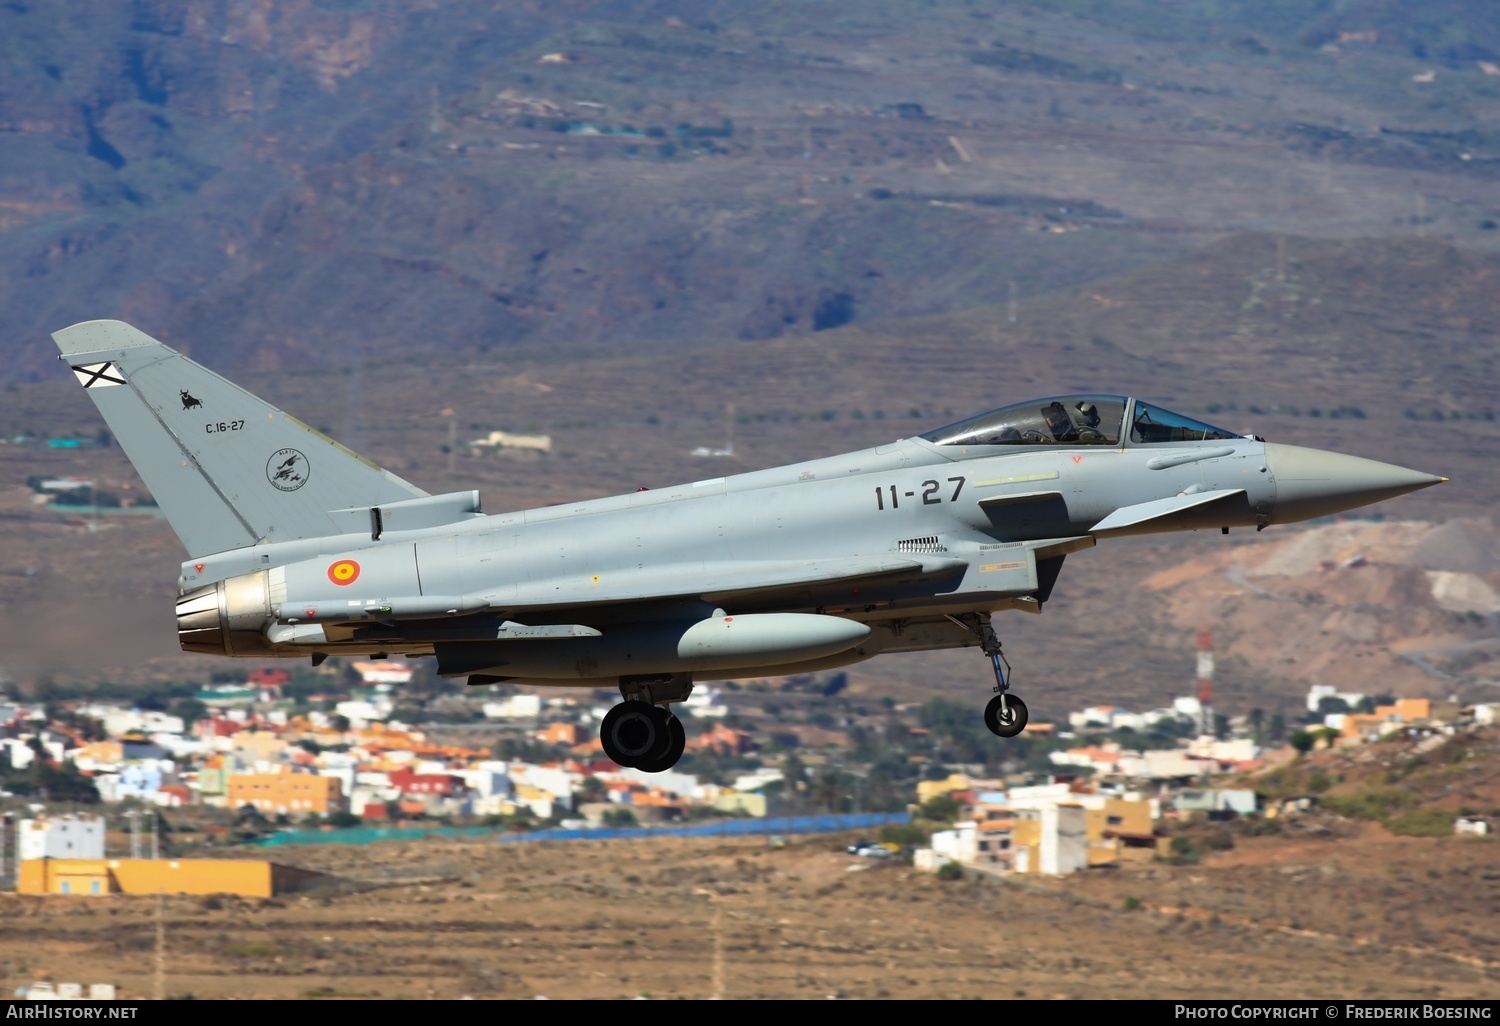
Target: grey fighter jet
[[299, 547]]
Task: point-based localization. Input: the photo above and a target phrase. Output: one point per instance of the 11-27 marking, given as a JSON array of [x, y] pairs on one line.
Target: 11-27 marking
[[930, 493]]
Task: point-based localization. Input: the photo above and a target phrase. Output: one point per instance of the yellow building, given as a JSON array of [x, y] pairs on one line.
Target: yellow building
[[750, 804], [277, 793], [159, 876], [1090, 831], [928, 789], [259, 746], [1119, 830]]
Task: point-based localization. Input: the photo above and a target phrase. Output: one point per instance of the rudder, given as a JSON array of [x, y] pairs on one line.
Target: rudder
[[228, 469]]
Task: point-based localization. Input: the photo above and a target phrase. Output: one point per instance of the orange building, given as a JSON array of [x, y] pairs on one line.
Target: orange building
[[1390, 718], [559, 734], [159, 876], [723, 739], [283, 793]]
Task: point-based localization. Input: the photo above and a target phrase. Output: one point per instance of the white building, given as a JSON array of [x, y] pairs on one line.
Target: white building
[[961, 844], [556, 782], [62, 837], [757, 780], [506, 440], [361, 712], [1093, 716], [487, 779], [1063, 841], [141, 721], [1318, 692], [1188, 707], [705, 702], [383, 672], [1240, 749], [515, 707], [17, 751], [1040, 795], [684, 785], [1164, 764]]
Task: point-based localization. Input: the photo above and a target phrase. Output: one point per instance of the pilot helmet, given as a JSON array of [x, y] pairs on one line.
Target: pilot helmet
[[1089, 412]]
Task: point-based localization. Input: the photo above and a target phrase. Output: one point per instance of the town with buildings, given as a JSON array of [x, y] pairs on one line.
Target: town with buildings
[[372, 745]]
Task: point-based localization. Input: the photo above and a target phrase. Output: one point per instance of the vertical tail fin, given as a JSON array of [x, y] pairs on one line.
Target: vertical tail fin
[[228, 469]]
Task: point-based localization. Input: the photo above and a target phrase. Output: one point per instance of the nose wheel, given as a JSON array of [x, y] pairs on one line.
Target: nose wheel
[[1005, 715]]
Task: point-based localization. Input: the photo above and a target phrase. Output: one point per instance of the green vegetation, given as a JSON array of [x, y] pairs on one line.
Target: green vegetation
[[950, 871], [1186, 852], [942, 808], [44, 780], [1371, 804], [1428, 822], [907, 835]]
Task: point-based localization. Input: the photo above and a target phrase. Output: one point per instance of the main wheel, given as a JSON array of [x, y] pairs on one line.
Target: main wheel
[[676, 746], [634, 733], [1007, 722]]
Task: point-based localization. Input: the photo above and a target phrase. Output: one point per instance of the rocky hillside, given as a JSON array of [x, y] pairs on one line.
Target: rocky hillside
[[276, 185]]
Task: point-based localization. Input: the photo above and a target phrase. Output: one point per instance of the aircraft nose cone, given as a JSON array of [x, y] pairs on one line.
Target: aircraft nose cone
[[1315, 483]]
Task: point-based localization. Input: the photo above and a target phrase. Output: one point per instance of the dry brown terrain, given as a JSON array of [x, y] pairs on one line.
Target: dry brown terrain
[[1364, 916]]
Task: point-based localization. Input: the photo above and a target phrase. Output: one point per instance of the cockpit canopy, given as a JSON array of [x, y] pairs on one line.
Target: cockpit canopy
[[1076, 420]]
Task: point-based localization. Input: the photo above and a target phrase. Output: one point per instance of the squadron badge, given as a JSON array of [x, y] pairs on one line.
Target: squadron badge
[[287, 469]]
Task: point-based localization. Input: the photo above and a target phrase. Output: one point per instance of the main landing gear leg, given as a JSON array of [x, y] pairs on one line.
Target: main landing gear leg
[[1005, 715], [640, 733]]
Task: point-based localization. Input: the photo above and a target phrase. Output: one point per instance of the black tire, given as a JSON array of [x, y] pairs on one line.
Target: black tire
[[1014, 723], [676, 745], [634, 733]]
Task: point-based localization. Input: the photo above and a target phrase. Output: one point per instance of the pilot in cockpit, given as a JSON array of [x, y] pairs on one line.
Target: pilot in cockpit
[[1087, 416]]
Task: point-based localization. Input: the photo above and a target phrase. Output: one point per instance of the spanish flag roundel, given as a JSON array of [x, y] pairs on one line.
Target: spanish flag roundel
[[345, 571]]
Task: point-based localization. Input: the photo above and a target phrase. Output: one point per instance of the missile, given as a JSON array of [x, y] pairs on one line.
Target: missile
[[410, 607]]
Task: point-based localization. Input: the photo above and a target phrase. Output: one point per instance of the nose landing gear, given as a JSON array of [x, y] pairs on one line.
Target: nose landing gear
[[640, 733], [1005, 715]]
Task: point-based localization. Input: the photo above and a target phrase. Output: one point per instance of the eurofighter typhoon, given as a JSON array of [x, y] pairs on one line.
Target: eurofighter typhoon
[[299, 547]]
